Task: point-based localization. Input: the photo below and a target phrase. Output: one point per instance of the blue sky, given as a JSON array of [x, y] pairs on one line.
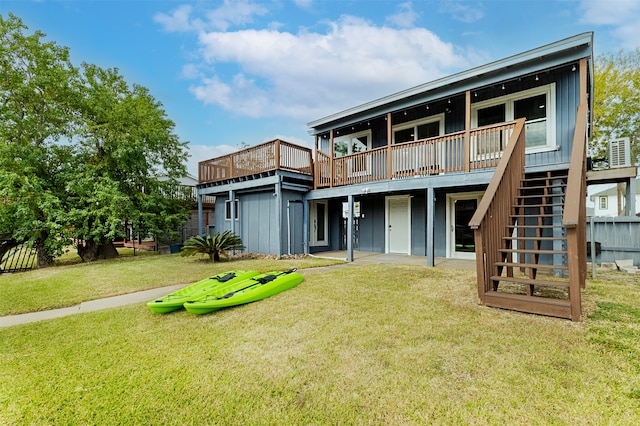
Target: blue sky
[[232, 72]]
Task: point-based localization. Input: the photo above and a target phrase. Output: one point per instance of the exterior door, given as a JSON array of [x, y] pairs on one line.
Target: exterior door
[[318, 223], [398, 223], [460, 238]]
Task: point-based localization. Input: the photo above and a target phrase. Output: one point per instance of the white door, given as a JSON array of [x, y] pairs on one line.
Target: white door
[[460, 238], [398, 223], [318, 223]]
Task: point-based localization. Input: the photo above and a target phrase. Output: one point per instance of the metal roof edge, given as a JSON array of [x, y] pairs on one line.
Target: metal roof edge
[[577, 40]]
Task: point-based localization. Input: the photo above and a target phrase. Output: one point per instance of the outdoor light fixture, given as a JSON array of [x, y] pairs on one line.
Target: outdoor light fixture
[[573, 68], [502, 86]]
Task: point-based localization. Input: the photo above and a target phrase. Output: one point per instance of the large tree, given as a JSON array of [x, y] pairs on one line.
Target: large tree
[[81, 151], [129, 162], [616, 103], [36, 110]]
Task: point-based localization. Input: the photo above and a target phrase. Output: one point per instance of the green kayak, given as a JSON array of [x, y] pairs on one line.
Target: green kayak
[[251, 290], [176, 300]]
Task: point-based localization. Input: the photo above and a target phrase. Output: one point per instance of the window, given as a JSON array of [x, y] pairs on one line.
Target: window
[[603, 203], [420, 129], [419, 158], [536, 105], [227, 209], [353, 144]]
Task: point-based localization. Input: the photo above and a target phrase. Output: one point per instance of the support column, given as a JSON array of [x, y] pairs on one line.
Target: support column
[[630, 202], [350, 228], [232, 201], [279, 216], [305, 225], [200, 221], [431, 203]]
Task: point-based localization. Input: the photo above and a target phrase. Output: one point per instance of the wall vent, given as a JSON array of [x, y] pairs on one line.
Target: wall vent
[[619, 153]]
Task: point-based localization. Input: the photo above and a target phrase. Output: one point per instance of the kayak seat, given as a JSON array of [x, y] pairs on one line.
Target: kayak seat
[[226, 278], [266, 279]]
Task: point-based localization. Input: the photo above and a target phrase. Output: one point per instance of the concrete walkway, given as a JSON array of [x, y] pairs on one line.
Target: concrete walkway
[[360, 258]]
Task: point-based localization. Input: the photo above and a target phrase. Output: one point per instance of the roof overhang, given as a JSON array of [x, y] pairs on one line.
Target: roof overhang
[[536, 60]]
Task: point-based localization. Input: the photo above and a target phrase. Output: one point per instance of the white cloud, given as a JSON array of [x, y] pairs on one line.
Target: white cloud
[[406, 16], [622, 16], [304, 4], [229, 13], [463, 12], [309, 74]]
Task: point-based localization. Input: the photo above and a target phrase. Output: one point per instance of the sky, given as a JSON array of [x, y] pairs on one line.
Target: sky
[[237, 73]]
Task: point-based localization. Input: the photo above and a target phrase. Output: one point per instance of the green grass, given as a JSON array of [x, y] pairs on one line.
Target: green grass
[[72, 283], [378, 344]]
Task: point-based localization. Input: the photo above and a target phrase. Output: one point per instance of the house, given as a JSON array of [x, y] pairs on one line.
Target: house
[[487, 164], [606, 201]]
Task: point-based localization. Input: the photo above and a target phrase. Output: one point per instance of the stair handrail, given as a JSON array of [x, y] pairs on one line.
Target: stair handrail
[[574, 194], [498, 175], [574, 216], [492, 213]]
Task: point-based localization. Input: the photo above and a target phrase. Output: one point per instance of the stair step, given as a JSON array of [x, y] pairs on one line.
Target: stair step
[[541, 195], [538, 205], [532, 251], [525, 280], [532, 304], [530, 178], [531, 265], [557, 185], [537, 215], [534, 226], [512, 238]]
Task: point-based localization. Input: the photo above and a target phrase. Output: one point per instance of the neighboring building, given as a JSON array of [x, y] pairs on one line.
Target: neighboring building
[[606, 202], [437, 170]]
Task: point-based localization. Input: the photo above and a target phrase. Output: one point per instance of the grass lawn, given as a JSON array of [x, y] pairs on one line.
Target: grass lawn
[[376, 344], [72, 283]]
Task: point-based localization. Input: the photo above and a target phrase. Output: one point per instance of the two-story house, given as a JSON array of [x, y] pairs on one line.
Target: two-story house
[[487, 164]]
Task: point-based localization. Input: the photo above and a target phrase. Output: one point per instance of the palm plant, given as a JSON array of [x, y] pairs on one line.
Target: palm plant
[[212, 245]]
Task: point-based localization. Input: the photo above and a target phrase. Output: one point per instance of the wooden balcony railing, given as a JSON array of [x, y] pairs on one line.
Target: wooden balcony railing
[[492, 213], [274, 155], [424, 157]]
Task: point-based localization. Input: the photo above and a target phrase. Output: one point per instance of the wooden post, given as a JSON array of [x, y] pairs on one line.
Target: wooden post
[[277, 154], [332, 159], [315, 169], [389, 141], [467, 131]]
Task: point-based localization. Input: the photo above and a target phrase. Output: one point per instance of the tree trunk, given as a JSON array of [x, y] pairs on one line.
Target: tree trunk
[[44, 258], [90, 251]]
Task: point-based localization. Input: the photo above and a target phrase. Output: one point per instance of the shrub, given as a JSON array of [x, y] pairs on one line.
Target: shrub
[[212, 245]]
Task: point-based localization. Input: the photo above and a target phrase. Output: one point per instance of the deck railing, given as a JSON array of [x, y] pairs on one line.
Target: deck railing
[[424, 157], [273, 155], [492, 213]]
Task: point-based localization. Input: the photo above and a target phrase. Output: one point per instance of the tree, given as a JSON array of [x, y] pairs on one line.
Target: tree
[[213, 246], [129, 163], [36, 98], [616, 103], [81, 152]]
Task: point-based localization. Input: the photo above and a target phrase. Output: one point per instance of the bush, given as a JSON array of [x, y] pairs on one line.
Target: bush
[[212, 245]]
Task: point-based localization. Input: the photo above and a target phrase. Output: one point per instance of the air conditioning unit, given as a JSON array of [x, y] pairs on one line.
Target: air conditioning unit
[[619, 153]]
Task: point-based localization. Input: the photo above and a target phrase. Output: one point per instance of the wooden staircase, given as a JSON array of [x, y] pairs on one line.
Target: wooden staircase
[[532, 273]]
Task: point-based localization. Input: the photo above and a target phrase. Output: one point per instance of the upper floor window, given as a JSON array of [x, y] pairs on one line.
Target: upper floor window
[[536, 105], [352, 143], [419, 129]]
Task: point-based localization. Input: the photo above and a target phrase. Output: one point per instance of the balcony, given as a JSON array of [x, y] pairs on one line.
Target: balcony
[[462, 151], [266, 157]]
